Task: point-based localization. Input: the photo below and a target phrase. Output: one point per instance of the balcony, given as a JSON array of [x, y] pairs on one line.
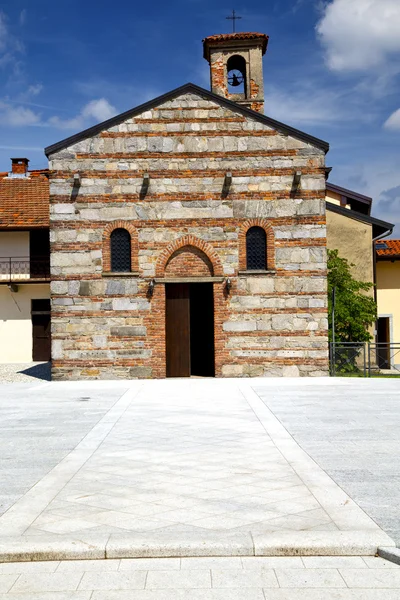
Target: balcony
[[24, 269]]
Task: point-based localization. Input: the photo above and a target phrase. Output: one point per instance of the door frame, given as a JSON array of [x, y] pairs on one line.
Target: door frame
[[390, 332], [156, 322], [38, 313]]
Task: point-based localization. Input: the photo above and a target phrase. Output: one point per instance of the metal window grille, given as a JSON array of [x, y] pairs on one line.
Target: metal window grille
[[256, 249], [120, 241]]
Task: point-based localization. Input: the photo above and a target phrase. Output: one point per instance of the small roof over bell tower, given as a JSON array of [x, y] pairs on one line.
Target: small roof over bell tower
[[236, 67]]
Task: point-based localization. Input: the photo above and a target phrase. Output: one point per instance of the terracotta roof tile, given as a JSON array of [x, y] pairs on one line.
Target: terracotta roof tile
[[24, 202], [393, 248], [227, 37]]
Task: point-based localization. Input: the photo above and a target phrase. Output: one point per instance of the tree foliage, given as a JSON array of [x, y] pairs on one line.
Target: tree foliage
[[355, 311]]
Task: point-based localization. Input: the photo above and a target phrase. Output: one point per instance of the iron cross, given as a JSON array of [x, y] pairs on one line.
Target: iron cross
[[233, 18]]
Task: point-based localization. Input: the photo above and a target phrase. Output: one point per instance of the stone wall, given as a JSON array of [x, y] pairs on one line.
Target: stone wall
[[107, 326]]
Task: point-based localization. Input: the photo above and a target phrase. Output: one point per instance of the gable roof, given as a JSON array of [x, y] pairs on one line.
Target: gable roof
[[186, 89], [24, 202]]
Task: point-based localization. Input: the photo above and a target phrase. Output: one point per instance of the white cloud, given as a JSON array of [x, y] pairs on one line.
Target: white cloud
[[94, 111], [17, 116], [359, 34], [393, 122], [3, 31], [34, 90], [22, 16], [101, 110]]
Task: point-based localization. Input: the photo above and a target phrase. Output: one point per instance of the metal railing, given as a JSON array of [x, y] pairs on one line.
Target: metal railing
[[363, 359], [20, 268]]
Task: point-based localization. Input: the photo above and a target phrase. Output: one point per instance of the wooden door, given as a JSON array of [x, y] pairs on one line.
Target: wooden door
[[177, 303], [41, 337]]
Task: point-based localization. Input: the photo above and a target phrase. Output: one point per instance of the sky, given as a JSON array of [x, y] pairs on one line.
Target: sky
[[332, 69]]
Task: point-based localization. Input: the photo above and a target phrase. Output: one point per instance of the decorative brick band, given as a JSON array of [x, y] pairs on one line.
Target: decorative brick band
[[134, 244], [192, 120], [187, 197], [189, 240], [184, 155], [187, 174], [266, 225], [206, 133]]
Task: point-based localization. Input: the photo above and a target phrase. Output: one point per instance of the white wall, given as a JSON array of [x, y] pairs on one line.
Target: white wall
[[15, 244], [16, 322]]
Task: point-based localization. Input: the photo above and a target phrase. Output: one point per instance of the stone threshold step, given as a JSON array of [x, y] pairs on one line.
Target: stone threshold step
[[153, 545]]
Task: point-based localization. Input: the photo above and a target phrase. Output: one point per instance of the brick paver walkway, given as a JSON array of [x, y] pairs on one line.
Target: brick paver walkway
[[246, 578]]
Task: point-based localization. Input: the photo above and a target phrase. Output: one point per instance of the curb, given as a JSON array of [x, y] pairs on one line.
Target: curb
[[302, 543], [391, 554]]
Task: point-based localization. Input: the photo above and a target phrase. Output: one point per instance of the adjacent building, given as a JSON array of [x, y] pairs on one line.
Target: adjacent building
[[388, 298], [24, 264], [353, 231]]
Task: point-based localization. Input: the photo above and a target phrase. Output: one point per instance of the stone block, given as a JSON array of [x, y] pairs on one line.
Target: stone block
[[240, 326], [84, 288], [59, 287], [122, 304], [260, 285], [140, 372], [115, 288], [290, 371], [128, 331]]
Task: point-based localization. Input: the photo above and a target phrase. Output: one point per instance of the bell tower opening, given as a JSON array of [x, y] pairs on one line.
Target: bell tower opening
[[236, 71], [236, 67]]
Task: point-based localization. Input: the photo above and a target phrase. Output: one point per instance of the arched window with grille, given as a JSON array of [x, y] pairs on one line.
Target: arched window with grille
[[120, 250], [256, 249]]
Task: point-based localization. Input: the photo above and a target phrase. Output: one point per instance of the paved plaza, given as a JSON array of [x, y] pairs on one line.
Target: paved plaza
[[352, 432], [198, 489], [175, 467]]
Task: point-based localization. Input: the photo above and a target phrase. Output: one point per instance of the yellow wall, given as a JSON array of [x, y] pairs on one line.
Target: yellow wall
[[353, 239], [388, 293], [335, 198], [16, 323]]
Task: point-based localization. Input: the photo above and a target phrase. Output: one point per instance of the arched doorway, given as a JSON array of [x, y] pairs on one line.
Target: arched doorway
[[189, 314]]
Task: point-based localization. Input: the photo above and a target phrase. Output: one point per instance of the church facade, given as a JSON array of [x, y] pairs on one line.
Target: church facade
[[188, 236]]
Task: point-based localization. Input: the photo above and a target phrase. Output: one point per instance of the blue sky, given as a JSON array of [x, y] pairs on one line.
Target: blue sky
[[332, 69]]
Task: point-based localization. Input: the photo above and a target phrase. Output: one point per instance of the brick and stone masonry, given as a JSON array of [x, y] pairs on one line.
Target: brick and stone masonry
[[106, 325]]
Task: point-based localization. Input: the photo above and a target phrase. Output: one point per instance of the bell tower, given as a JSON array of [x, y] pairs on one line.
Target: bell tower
[[236, 67]]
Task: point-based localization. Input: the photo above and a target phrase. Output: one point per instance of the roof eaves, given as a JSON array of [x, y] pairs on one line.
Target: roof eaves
[[187, 88], [352, 214], [348, 193]]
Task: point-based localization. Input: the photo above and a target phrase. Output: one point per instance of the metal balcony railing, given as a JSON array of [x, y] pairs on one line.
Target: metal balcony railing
[[22, 268]]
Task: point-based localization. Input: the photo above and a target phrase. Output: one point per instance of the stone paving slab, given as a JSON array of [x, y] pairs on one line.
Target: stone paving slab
[[351, 429], [40, 424], [223, 578], [185, 467]]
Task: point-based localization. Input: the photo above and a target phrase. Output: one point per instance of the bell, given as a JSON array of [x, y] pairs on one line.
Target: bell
[[235, 80]]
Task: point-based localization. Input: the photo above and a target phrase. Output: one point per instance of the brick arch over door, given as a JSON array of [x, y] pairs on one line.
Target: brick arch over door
[[264, 223], [134, 244], [194, 245]]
